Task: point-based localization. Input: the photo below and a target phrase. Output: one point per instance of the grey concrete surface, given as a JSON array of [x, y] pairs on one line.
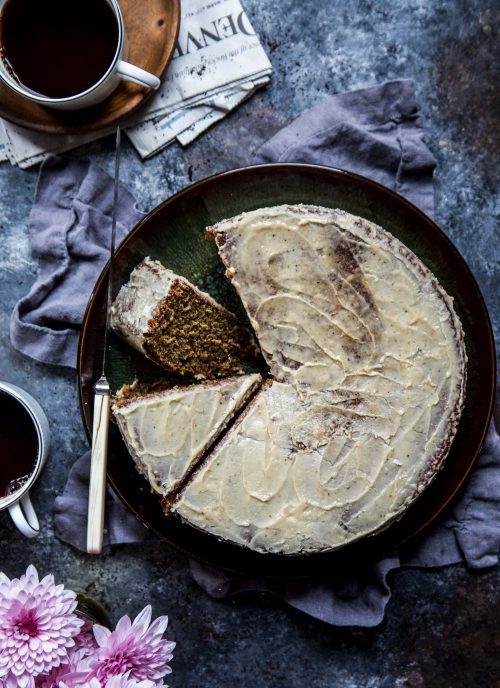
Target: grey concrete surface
[[442, 626]]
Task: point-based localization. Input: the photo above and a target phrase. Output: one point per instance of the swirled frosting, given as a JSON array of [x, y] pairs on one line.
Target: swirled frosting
[[367, 359], [167, 432]]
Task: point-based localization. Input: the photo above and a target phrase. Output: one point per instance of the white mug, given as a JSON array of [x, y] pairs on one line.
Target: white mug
[[119, 70], [19, 503]]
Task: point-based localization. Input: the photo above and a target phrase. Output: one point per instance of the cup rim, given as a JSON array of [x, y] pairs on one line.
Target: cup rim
[[12, 390], [40, 98]]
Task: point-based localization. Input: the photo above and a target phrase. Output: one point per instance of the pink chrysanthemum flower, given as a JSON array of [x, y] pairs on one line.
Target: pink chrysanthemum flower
[[135, 649], [71, 674], [85, 639], [126, 682], [122, 681], [37, 626]]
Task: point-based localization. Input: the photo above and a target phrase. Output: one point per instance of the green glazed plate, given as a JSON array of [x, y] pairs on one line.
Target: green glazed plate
[[174, 234]]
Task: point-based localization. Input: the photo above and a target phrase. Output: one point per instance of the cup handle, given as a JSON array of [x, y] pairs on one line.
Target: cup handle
[[130, 72], [25, 518]]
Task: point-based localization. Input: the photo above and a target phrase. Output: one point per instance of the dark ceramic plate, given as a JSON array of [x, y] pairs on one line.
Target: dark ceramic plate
[[174, 234]]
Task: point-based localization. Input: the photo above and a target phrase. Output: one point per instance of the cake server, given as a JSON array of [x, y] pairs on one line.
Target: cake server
[[100, 427]]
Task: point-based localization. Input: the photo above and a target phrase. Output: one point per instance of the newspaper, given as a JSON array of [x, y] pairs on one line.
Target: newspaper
[[218, 63], [3, 149], [26, 148]]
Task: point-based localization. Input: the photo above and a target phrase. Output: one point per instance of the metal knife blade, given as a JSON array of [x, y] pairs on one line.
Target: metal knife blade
[[99, 455]]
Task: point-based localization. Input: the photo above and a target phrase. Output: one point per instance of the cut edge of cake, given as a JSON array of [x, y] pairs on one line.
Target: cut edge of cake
[[160, 409], [178, 326], [222, 440]]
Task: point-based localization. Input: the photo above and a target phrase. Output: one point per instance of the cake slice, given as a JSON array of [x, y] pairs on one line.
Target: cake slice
[[167, 431], [243, 491], [179, 327]]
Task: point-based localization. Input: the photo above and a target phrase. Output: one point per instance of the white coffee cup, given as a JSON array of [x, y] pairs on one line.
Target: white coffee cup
[[19, 503], [119, 70]]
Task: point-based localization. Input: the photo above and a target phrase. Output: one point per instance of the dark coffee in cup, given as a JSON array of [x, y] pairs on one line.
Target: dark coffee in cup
[[58, 48], [19, 445]]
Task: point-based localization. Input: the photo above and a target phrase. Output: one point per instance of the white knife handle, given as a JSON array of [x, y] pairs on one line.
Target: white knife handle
[[97, 488]]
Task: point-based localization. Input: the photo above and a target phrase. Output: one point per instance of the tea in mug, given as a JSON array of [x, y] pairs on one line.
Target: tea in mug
[[19, 445], [58, 48]]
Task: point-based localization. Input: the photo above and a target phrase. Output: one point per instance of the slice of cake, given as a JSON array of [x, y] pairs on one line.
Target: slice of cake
[[167, 431], [243, 492], [177, 326], [368, 358]]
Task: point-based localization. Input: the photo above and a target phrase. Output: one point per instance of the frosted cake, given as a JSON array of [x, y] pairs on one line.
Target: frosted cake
[[367, 367]]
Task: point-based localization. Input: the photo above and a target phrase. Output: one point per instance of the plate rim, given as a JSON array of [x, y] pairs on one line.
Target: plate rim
[[362, 547]]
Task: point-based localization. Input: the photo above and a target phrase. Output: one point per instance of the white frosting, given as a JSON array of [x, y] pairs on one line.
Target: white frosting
[[368, 358], [138, 299], [167, 432]]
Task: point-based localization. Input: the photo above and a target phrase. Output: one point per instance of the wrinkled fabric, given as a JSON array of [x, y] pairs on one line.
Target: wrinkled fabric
[[375, 132], [70, 233], [71, 509], [470, 528], [340, 599]]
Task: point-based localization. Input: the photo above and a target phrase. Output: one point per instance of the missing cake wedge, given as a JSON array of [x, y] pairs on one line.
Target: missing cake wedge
[[178, 326], [167, 431]]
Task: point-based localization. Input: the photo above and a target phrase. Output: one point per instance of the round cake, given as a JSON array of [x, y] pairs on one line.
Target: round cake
[[367, 370]]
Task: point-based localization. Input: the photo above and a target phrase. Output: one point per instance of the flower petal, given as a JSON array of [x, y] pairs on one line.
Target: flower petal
[[143, 619], [101, 634]]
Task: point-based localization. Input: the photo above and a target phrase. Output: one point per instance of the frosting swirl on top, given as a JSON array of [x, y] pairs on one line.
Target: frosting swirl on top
[[167, 431], [368, 362]]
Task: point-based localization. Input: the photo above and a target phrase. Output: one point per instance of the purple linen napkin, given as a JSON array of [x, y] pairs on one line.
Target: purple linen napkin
[[69, 232], [375, 132]]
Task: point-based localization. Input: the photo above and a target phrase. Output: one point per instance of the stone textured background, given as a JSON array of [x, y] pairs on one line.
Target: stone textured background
[[441, 626]]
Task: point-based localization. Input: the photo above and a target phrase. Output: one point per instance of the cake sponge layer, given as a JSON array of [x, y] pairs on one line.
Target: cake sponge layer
[[178, 326]]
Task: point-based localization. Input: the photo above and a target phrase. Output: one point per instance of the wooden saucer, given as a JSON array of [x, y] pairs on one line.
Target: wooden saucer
[[151, 29]]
